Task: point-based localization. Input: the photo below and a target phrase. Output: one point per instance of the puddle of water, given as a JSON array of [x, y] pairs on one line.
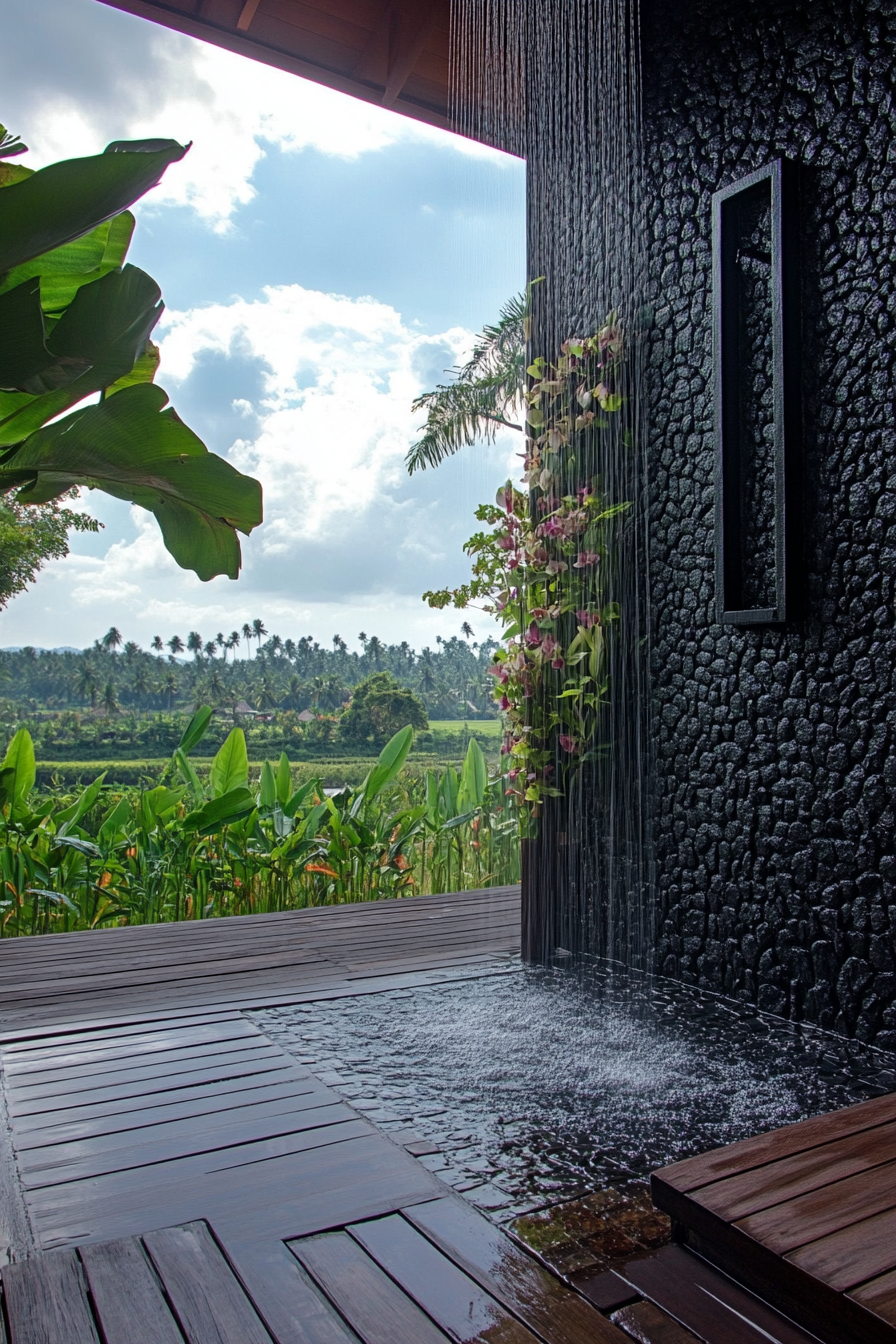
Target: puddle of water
[[543, 1084]]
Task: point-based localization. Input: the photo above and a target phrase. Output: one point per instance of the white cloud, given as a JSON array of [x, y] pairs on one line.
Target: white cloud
[[336, 417]]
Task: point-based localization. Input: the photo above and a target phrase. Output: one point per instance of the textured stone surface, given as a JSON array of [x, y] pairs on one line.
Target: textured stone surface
[[775, 765]]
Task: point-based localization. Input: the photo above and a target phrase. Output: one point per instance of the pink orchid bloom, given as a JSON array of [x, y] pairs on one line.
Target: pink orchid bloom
[[556, 566], [568, 743], [559, 664], [533, 636], [586, 559], [503, 703], [588, 618]]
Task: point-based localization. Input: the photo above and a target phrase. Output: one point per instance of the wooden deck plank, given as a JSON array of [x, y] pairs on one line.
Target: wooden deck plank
[[648, 1324], [208, 1299], [46, 1300], [292, 1306], [449, 1296], [694, 1172], [707, 1302], [838, 1205], [879, 1296], [511, 1276], [760, 1187], [843, 1260], [127, 1294], [368, 1299]]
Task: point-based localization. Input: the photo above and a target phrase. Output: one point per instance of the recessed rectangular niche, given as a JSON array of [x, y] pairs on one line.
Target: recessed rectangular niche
[[757, 394]]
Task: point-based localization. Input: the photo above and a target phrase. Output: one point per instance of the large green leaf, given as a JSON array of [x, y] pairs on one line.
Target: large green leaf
[[196, 729], [105, 328], [230, 767], [391, 759], [473, 778], [129, 447], [20, 760], [232, 806], [284, 780], [66, 200], [63, 270]]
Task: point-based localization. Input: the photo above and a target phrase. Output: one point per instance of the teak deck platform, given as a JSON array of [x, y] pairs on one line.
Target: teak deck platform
[[169, 1174], [805, 1215]]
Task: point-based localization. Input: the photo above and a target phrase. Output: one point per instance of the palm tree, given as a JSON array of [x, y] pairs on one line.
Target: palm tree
[[110, 700], [247, 634], [289, 648], [156, 645], [375, 651], [427, 675], [176, 645], [87, 684], [265, 699], [142, 684], [484, 392], [194, 643], [170, 688], [211, 649], [258, 630], [233, 642], [467, 630], [131, 649], [111, 640], [295, 692]]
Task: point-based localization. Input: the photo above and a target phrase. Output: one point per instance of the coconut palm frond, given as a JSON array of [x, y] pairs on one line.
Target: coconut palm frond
[[484, 392]]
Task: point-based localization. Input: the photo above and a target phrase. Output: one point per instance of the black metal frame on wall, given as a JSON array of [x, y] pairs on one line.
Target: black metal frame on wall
[[774, 185]]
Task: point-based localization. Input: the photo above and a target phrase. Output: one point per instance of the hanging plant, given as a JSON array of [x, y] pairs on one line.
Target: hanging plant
[[544, 569]]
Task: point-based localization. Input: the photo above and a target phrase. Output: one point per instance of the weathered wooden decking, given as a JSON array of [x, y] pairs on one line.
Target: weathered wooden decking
[[806, 1215], [169, 1174], [251, 960]]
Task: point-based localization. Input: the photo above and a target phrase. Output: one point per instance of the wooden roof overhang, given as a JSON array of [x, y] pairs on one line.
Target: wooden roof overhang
[[394, 54]]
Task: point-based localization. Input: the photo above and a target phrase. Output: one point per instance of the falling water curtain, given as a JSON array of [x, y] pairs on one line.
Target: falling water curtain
[[559, 84]]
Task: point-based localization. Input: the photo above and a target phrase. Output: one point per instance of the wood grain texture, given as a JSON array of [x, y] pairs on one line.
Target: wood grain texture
[[694, 1172], [127, 1295], [847, 1258], [369, 1300], [512, 1277], [879, 1296], [707, 1302], [761, 1187], [210, 1304], [292, 1306], [815, 1215], [647, 1324], [452, 1298], [46, 1301]]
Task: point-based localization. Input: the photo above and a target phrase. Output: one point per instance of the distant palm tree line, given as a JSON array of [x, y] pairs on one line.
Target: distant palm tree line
[[272, 674]]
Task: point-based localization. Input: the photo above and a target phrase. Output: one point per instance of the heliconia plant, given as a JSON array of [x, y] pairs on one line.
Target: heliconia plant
[[190, 849]]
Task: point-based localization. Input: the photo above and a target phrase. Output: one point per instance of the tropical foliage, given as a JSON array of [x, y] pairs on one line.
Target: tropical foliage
[[32, 534], [545, 570], [193, 848], [75, 320], [274, 677], [483, 395]]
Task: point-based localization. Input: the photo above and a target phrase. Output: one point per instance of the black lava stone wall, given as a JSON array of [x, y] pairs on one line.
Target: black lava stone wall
[[775, 768]]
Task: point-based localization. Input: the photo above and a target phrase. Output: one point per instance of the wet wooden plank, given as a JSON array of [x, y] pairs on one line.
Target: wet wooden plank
[[46, 1301], [127, 1294], [694, 1172], [707, 1302], [810, 1217], [759, 1188], [849, 1257], [208, 1299], [647, 1324], [292, 1306], [373, 1305], [879, 1296], [449, 1296], [512, 1277]]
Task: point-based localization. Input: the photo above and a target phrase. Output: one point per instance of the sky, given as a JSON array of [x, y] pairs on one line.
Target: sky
[[323, 262]]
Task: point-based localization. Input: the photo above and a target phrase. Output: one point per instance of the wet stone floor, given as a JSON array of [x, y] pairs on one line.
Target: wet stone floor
[[547, 1095]]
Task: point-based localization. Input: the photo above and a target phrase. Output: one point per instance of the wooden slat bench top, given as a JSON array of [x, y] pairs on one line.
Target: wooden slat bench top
[[805, 1214]]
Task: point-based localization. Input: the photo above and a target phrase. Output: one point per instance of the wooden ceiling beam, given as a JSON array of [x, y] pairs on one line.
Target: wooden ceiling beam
[[411, 36]]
